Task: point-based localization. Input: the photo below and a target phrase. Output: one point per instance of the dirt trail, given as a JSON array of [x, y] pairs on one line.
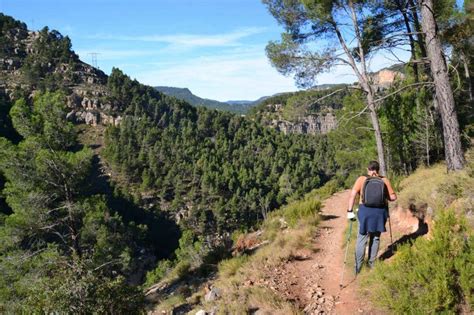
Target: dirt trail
[[313, 281]]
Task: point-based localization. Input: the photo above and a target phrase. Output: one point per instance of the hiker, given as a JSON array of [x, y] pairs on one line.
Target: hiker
[[375, 191]]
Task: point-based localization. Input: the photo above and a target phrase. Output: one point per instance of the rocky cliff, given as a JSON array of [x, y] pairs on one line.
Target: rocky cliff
[[304, 112], [34, 61], [313, 111], [385, 78], [310, 124]]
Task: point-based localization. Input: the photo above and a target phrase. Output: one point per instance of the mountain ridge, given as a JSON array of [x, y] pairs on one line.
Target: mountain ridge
[[187, 95]]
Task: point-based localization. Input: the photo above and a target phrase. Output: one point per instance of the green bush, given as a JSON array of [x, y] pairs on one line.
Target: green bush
[[433, 276], [181, 269], [158, 273]]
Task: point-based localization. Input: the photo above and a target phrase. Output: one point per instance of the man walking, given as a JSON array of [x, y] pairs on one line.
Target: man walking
[[375, 191]]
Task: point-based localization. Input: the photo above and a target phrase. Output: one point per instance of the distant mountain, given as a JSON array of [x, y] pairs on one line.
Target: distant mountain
[[186, 95], [326, 86], [248, 103]]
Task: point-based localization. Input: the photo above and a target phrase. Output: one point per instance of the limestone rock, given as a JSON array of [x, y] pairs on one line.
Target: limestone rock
[[212, 295], [91, 118], [311, 124]]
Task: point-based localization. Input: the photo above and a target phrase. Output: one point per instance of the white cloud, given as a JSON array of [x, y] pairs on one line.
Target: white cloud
[[233, 75], [221, 78], [191, 40]]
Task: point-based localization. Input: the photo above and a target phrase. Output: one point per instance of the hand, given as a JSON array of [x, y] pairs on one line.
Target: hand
[[351, 216]]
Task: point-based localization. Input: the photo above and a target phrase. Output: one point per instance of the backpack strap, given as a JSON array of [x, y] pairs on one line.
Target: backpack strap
[[362, 190]]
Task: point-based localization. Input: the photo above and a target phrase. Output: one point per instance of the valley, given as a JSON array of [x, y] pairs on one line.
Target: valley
[[118, 197]]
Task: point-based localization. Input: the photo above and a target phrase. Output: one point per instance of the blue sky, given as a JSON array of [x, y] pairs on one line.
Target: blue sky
[[216, 48]]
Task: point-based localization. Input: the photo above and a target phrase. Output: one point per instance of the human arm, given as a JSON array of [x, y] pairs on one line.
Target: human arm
[[392, 196], [355, 191], [352, 198]]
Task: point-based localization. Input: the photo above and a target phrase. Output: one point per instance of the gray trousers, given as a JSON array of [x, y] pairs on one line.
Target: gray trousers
[[374, 241]]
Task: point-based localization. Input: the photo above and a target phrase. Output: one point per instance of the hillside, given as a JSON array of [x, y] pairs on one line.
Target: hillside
[[313, 111], [304, 112], [294, 262], [116, 198], [248, 103], [186, 95], [107, 160]]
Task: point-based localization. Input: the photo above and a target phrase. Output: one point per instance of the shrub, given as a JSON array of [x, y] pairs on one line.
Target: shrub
[[181, 269], [432, 276], [229, 267], [158, 273]]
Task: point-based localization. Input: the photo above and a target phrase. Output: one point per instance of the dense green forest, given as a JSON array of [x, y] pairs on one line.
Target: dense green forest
[[216, 171], [62, 248], [85, 227], [222, 167]]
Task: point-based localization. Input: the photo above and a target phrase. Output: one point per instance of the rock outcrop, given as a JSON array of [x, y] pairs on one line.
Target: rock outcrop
[[86, 86], [385, 78], [311, 124]]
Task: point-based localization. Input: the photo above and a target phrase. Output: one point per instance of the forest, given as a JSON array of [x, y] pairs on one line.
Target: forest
[[86, 227]]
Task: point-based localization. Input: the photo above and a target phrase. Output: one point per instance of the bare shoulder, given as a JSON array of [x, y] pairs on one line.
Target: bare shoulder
[[358, 183], [361, 178]]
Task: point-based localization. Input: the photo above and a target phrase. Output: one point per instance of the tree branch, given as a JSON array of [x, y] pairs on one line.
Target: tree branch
[[401, 89]]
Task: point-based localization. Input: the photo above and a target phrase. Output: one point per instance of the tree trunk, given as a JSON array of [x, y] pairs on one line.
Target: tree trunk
[[444, 93], [377, 132], [427, 138], [364, 81], [467, 74]]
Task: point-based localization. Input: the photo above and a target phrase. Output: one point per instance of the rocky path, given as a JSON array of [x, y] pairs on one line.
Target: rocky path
[[313, 280]]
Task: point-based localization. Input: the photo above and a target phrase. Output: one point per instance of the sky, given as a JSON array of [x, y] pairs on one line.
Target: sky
[[216, 48]]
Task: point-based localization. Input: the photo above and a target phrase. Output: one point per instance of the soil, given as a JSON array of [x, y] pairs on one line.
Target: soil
[[313, 279]]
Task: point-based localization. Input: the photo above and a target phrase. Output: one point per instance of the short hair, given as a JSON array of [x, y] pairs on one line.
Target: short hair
[[373, 166]]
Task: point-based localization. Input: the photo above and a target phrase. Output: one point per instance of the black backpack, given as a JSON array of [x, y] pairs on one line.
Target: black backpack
[[374, 192]]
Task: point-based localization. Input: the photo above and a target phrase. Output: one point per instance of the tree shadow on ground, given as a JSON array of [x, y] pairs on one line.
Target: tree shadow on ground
[[408, 238], [328, 217]]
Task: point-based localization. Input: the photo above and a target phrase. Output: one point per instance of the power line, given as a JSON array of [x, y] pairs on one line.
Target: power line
[[94, 59]]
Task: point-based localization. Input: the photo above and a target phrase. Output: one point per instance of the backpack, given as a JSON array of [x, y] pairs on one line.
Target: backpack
[[374, 192]]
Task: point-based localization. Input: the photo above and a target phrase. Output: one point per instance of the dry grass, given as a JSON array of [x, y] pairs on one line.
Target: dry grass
[[288, 230], [168, 305], [229, 267], [431, 189]]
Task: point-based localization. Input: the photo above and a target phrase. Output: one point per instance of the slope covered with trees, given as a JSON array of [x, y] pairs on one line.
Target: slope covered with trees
[[80, 224], [62, 248], [74, 242], [224, 171]]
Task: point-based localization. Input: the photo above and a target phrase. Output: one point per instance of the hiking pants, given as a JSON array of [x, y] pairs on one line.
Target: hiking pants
[[374, 240]]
